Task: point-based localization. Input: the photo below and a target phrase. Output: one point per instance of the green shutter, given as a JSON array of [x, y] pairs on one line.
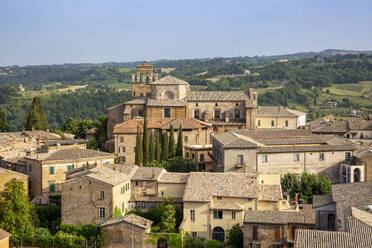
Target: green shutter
[[51, 170], [52, 187]]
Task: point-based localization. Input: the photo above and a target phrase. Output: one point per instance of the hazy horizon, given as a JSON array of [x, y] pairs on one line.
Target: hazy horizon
[[56, 32]]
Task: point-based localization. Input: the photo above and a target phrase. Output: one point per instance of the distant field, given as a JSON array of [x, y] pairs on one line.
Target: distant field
[[126, 69], [359, 89], [72, 88], [167, 70], [118, 85]]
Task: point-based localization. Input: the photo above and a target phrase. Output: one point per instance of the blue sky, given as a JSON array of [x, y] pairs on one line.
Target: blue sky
[[75, 31]]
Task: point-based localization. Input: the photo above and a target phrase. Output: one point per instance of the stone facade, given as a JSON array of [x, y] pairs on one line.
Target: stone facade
[[200, 154], [7, 175]]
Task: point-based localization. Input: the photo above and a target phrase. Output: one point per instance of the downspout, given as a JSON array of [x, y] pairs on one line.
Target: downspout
[[304, 161]]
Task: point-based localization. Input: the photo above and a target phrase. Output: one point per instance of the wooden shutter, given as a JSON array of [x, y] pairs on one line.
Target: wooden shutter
[[277, 233], [255, 232]]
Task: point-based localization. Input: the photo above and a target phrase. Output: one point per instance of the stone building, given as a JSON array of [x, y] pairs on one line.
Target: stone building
[[279, 117], [91, 196], [200, 154], [4, 238], [358, 168], [275, 228], [47, 168], [280, 151], [214, 202], [127, 231], [333, 210], [194, 132], [7, 175], [358, 234]]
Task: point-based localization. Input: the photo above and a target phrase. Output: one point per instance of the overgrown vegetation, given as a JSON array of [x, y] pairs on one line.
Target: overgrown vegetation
[[306, 186]]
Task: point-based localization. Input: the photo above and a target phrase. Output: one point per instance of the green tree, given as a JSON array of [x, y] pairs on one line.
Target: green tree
[[3, 122], [152, 149], [179, 164], [172, 143], [36, 117], [235, 237], [165, 146], [179, 149], [71, 126], [168, 218], [157, 156], [214, 244], [145, 142], [92, 144], [86, 124], [138, 155], [15, 211], [117, 212], [290, 184]]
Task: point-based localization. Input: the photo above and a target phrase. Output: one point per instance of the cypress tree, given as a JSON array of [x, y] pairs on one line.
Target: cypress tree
[[152, 149], [145, 142], [172, 143], [138, 160], [3, 122], [179, 149], [157, 156], [36, 117], [165, 146]]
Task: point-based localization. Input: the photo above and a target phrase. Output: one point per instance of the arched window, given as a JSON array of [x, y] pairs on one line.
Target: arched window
[[218, 234], [356, 175]]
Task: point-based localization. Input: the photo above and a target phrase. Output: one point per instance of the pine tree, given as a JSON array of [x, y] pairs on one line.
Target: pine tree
[[179, 149], [172, 143], [36, 117], [165, 146], [145, 142], [3, 122], [152, 149], [157, 156], [138, 159]]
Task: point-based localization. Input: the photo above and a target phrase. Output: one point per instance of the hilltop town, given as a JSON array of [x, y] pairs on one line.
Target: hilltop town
[[187, 168]]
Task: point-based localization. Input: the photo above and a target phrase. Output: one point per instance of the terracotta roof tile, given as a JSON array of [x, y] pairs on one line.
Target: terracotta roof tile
[[172, 177], [224, 205], [170, 80], [277, 111]]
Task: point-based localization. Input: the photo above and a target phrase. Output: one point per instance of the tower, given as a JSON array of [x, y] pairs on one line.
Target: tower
[[141, 78]]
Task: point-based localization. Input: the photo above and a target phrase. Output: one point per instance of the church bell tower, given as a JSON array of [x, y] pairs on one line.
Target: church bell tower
[[140, 80]]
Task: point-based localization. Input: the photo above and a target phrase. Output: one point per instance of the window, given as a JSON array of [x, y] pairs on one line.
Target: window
[[136, 183], [29, 184], [277, 233], [122, 159], [217, 214], [196, 104], [297, 157], [29, 167], [122, 149], [240, 159], [51, 170], [216, 104], [201, 157], [347, 156], [185, 139], [237, 113], [233, 215], [259, 123], [121, 139], [101, 213], [217, 114], [264, 159], [256, 246], [236, 104], [286, 123], [215, 129], [255, 232], [272, 123], [102, 195], [187, 154], [122, 208], [167, 112], [331, 221], [52, 187], [219, 197], [69, 167], [194, 234], [192, 155], [196, 114], [218, 234], [192, 215], [321, 156]]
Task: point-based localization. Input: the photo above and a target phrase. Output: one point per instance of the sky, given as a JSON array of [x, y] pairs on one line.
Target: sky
[[36, 32]]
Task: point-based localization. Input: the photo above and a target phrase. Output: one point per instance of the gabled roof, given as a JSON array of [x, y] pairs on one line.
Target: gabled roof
[[186, 123], [305, 216], [226, 205], [69, 154], [148, 173], [278, 111], [170, 80], [230, 140], [4, 234], [268, 192], [343, 126], [123, 168], [141, 100], [166, 103], [173, 177], [322, 200], [131, 219], [202, 186]]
